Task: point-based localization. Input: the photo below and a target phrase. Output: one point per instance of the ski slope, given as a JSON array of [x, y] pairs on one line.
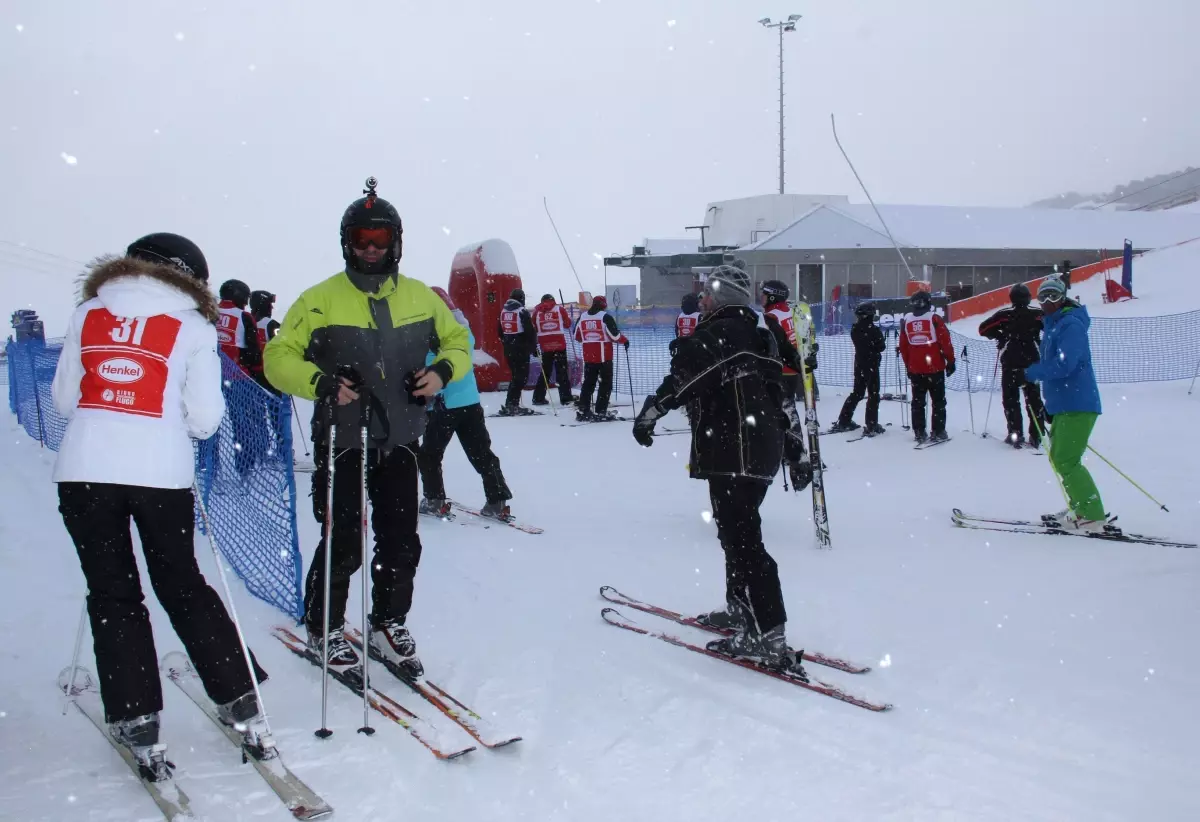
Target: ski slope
[[1033, 678]]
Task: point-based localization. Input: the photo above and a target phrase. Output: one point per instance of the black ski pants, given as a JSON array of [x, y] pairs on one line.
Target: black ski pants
[[518, 363], [468, 422], [866, 383], [392, 490], [933, 385], [97, 518], [1011, 383], [593, 371], [554, 361], [751, 575]]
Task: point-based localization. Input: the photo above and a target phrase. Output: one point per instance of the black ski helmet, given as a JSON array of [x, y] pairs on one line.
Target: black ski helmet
[[776, 291], [261, 303], [920, 301], [865, 311], [236, 291], [371, 211], [690, 304], [1020, 296], [518, 294], [171, 249]]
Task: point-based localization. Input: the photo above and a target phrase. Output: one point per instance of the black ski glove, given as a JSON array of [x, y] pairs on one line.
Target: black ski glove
[[801, 473], [950, 367], [810, 362], [643, 426]]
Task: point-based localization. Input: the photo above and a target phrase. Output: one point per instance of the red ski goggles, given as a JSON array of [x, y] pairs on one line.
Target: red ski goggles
[[381, 237]]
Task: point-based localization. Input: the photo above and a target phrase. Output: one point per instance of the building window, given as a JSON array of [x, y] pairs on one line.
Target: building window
[[862, 290], [958, 292]]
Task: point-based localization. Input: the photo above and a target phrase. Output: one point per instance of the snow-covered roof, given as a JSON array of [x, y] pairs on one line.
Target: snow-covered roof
[[919, 226], [747, 219], [497, 256], [662, 248]]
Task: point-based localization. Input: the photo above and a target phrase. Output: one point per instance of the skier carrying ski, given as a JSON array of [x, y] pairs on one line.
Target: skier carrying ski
[[376, 323], [1018, 332], [597, 331], [138, 378], [869, 346], [1072, 400], [779, 320], [236, 329], [689, 316], [519, 338], [928, 355], [456, 410], [730, 372], [553, 324]]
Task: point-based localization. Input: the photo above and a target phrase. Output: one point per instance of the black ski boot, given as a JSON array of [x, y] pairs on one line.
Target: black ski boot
[[497, 510], [434, 507], [726, 619], [874, 430], [841, 426], [243, 715], [140, 736], [583, 414], [920, 436], [939, 436], [769, 649], [391, 640]]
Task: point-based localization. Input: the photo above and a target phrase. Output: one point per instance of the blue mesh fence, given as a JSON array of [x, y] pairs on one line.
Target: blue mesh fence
[[1124, 350], [244, 471]]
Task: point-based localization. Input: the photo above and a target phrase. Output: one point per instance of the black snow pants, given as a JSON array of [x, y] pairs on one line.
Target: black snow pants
[[1011, 383], [392, 490], [518, 363], [554, 362], [866, 383], [593, 371], [97, 518], [933, 385], [468, 422], [751, 575]]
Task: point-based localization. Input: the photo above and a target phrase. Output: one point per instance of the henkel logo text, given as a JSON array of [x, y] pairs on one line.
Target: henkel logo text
[[120, 370]]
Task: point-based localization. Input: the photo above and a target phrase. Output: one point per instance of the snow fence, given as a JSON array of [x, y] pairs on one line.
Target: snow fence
[[244, 471]]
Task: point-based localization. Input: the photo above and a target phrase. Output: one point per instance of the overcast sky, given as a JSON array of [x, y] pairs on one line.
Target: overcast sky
[[249, 126]]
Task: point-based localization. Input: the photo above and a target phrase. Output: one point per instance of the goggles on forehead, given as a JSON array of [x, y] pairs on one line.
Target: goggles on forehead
[[381, 237]]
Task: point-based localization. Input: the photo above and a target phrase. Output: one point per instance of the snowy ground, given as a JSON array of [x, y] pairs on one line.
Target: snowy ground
[[1034, 678]]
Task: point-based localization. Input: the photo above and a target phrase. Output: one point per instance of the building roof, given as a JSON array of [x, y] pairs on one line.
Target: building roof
[[688, 245], [917, 226], [748, 219]]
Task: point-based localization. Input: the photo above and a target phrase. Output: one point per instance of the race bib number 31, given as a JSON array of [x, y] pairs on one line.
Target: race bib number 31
[[125, 362]]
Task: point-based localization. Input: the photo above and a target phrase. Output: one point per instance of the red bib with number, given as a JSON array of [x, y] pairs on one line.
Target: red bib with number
[[125, 362]]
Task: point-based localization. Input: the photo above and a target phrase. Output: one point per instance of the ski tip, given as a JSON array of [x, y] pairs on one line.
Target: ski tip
[[175, 663]]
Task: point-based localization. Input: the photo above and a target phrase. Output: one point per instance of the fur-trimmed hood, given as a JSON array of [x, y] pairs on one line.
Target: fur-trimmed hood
[[130, 287]]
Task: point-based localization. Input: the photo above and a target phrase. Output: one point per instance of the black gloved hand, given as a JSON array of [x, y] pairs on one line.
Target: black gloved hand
[[627, 345], [326, 388], [801, 473], [810, 362], [950, 367], [643, 426]]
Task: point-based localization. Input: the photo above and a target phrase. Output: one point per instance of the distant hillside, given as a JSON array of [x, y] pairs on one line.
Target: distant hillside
[[1162, 191]]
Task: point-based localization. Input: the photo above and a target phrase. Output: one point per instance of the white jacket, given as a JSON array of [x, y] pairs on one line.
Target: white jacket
[[138, 377]]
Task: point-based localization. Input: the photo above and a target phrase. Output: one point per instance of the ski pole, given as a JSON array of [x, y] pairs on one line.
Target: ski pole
[[237, 623], [991, 394], [1053, 467], [970, 403], [629, 368], [330, 422], [1197, 373], [296, 417], [1128, 479], [75, 656], [546, 383], [364, 421]]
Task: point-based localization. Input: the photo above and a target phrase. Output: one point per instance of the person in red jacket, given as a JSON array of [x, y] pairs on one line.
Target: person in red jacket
[[689, 316], [597, 331], [553, 324], [929, 358], [236, 332]]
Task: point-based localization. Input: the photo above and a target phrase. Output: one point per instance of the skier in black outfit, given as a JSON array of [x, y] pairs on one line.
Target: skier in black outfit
[[1018, 333], [729, 373], [518, 335], [869, 346]]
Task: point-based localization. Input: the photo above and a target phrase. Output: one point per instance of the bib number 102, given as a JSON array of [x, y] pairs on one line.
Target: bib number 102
[[129, 328]]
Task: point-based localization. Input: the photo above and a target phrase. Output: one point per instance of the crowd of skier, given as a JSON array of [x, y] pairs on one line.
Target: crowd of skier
[[387, 361]]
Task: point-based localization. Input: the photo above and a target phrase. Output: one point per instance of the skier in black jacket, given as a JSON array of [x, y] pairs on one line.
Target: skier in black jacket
[[1018, 332], [518, 335], [729, 373], [868, 352]]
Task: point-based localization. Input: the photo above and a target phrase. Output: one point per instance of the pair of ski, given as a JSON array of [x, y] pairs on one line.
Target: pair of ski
[[510, 521], [522, 411], [1024, 526], [615, 618], [421, 730], [593, 421], [300, 800], [929, 443]]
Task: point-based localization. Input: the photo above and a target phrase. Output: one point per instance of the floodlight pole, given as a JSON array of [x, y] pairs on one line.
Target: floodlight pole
[[783, 25]]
